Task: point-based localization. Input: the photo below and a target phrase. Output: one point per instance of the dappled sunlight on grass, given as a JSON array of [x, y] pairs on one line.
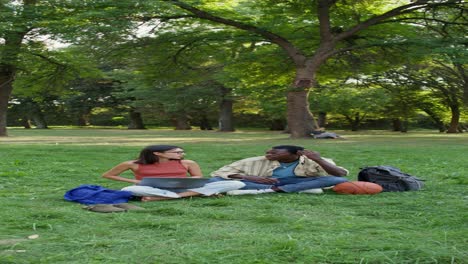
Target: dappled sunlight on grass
[[131, 137], [118, 140], [159, 136]]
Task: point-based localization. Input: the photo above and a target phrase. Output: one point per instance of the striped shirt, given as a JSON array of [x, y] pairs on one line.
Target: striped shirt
[[261, 166]]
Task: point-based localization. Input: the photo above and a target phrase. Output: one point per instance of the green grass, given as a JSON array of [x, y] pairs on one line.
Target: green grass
[[38, 166]]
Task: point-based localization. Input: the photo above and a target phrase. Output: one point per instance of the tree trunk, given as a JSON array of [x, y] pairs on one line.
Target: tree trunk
[[455, 120], [354, 122], [39, 120], [437, 120], [301, 122], [464, 76], [226, 117], [7, 76], [26, 122], [182, 123], [277, 124], [8, 57], [404, 126], [322, 119], [354, 126], [396, 124], [83, 120], [36, 114], [205, 123], [136, 121]]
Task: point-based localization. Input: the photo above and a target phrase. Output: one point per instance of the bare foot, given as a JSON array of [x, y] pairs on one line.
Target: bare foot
[[154, 198]]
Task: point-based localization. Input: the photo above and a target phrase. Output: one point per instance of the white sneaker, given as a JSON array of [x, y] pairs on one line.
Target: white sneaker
[[312, 191], [242, 192]]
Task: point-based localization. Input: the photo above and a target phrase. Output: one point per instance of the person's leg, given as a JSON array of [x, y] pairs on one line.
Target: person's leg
[[181, 195], [296, 184], [150, 191], [248, 187], [255, 186], [160, 198], [248, 184], [217, 187], [207, 190]]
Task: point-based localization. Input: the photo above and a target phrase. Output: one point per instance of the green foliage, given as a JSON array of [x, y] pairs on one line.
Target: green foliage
[[353, 100], [171, 63], [51, 72], [426, 226]]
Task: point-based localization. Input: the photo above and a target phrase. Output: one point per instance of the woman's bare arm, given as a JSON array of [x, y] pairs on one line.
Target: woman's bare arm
[[114, 173], [193, 168]]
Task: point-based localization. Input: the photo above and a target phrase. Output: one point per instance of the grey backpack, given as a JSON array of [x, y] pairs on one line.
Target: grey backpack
[[390, 178]]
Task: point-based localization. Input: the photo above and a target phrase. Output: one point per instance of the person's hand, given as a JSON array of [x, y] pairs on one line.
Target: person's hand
[[313, 155], [258, 179]]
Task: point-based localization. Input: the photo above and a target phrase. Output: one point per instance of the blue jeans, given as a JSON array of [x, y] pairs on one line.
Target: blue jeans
[[292, 184]]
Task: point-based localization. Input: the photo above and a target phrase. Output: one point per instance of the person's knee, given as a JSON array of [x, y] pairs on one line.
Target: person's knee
[[237, 184]]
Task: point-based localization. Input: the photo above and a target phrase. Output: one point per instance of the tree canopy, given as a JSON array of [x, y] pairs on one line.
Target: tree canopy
[[283, 60]]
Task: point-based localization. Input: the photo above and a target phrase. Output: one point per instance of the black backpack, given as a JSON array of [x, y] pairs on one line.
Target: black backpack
[[390, 178]]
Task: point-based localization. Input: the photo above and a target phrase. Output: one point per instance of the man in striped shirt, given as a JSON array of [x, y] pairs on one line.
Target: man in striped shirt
[[283, 168]]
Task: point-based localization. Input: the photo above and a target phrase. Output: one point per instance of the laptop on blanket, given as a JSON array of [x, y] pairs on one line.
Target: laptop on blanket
[[173, 183]]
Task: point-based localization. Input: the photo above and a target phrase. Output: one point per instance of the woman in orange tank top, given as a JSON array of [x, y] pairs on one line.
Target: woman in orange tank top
[[164, 161]]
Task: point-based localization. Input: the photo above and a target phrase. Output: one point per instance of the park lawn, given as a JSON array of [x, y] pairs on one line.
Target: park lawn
[[38, 166]]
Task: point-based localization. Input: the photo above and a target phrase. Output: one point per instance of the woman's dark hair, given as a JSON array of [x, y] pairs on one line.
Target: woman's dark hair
[[291, 149], [147, 156]]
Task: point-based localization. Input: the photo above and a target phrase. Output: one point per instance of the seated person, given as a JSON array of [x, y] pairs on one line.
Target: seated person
[[165, 161], [283, 169]]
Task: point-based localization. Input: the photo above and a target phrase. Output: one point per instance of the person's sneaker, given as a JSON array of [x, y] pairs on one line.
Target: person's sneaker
[[103, 208], [127, 206], [312, 191], [243, 192]]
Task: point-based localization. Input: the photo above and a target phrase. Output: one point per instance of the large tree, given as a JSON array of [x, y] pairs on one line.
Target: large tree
[[24, 23], [331, 27], [184, 70], [436, 66], [20, 16]]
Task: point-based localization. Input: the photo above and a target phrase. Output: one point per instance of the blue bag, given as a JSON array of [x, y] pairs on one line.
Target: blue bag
[[95, 194]]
